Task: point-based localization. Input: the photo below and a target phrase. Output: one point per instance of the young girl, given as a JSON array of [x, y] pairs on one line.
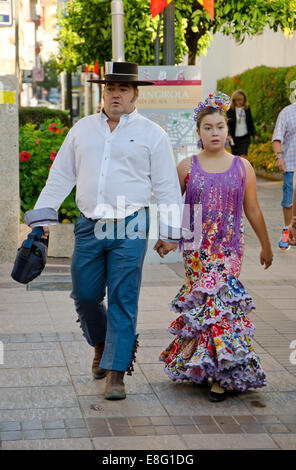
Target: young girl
[[212, 333]]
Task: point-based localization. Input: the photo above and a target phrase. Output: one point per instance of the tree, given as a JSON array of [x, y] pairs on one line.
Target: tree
[[236, 18], [85, 28], [85, 33], [51, 79]]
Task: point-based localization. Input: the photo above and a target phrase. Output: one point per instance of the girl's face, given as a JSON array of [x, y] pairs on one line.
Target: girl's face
[[213, 132], [239, 101]]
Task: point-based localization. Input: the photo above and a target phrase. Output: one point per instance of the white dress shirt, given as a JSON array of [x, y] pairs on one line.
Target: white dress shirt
[[111, 168], [241, 127]]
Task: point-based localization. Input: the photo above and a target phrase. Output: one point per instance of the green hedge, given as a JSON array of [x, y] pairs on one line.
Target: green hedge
[[268, 92], [37, 115]]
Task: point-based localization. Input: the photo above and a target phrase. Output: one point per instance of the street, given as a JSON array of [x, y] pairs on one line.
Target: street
[[49, 400]]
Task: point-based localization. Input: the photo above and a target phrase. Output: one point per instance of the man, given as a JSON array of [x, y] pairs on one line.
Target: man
[[114, 155], [284, 146]]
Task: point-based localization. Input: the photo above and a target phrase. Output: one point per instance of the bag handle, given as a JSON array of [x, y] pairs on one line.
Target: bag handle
[[36, 234]]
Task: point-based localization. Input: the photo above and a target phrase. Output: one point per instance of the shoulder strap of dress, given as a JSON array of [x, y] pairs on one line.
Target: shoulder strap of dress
[[242, 166]]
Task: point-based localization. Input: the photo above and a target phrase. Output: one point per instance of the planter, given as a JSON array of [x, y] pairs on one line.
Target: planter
[[268, 175]]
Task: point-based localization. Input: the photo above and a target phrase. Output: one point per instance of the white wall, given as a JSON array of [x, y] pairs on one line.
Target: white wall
[[227, 58]]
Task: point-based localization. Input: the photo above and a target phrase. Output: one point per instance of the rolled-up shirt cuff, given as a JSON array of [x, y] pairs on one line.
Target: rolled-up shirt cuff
[[41, 217], [170, 234]]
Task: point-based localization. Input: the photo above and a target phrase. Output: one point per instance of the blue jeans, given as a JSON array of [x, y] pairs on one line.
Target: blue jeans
[[114, 261], [288, 189]]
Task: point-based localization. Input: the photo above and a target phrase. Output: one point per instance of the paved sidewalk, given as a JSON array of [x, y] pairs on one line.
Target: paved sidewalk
[[48, 399]]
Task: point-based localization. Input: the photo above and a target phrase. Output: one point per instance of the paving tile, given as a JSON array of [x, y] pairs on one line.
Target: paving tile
[[56, 433], [53, 424], [123, 431], [53, 413], [287, 418], [32, 424], [50, 444], [187, 429], [285, 441], [231, 428], [78, 432], [30, 377], [74, 423], [271, 403], [254, 428], [37, 397], [36, 358], [10, 426], [98, 427], [10, 435], [266, 419], [118, 421], [291, 428], [140, 421], [165, 430], [230, 442], [138, 404], [144, 430], [245, 419], [34, 434], [160, 420], [140, 443], [224, 420], [209, 429], [277, 428], [203, 420], [182, 420]]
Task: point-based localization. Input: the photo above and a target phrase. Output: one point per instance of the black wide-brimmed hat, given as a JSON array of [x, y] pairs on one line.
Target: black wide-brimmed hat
[[121, 72]]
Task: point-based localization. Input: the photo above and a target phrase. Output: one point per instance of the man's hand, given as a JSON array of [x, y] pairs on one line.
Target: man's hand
[[163, 248], [281, 165], [45, 231]]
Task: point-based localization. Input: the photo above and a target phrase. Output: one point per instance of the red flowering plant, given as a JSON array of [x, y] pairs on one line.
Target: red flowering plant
[[38, 149]]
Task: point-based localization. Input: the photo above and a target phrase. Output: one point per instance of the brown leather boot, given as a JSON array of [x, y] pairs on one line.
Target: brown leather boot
[[114, 389], [97, 371]]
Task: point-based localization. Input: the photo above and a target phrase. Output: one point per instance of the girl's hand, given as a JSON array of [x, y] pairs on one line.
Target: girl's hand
[[266, 257], [292, 234]]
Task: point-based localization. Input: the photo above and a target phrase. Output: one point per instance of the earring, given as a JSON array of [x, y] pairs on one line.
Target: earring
[[200, 144], [226, 145]]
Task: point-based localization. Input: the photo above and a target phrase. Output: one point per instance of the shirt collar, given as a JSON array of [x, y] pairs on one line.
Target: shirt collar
[[124, 117]]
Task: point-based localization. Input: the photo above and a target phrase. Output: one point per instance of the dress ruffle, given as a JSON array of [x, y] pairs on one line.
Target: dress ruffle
[[213, 333]]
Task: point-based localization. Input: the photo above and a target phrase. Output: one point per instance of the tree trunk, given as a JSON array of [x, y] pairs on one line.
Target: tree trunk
[[192, 40]]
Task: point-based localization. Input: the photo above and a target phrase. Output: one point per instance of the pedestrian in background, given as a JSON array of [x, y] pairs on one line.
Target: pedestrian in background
[[284, 147], [240, 124]]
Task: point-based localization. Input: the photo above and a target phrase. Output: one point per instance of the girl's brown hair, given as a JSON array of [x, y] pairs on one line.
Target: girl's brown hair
[[234, 96], [206, 112]]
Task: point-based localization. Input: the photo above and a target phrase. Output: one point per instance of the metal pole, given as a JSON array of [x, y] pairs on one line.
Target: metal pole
[[169, 34], [17, 54], [157, 41], [117, 14]]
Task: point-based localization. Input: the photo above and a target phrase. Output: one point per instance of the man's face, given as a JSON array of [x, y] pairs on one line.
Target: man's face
[[119, 98]]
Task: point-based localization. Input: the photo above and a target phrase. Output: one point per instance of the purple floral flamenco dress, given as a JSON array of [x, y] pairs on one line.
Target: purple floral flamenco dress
[[212, 332]]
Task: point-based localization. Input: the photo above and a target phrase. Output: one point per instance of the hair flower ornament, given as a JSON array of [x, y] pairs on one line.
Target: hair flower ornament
[[217, 100]]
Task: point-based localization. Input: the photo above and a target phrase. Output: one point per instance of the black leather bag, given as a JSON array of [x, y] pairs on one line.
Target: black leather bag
[[31, 257]]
